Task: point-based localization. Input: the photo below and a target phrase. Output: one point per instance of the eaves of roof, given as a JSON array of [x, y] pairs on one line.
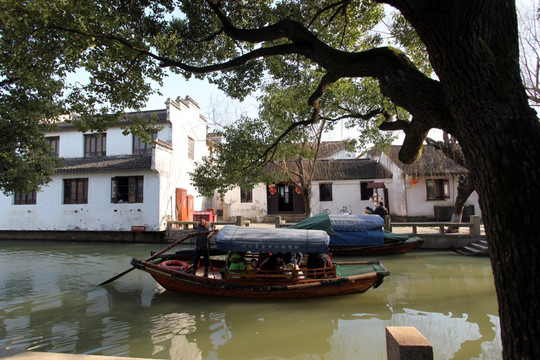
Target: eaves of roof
[[433, 162], [127, 118], [341, 169], [349, 169], [108, 163]]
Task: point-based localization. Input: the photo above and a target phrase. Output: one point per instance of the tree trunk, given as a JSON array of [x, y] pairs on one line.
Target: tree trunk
[[473, 49], [307, 200], [465, 189]]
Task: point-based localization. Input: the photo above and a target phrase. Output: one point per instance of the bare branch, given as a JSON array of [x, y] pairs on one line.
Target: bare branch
[[339, 4]]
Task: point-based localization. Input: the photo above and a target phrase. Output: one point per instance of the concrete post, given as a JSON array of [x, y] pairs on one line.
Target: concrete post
[[407, 343], [277, 222], [475, 229], [238, 221], [225, 207], [387, 223]]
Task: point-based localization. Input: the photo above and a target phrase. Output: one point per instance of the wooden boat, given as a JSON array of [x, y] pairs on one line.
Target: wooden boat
[[395, 247], [289, 283], [359, 235]]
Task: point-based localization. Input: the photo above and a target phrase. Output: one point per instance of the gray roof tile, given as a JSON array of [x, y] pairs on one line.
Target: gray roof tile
[[342, 169], [108, 163], [128, 118], [433, 162]]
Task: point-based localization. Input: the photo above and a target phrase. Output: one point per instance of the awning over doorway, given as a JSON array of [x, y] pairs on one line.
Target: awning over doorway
[[376, 185]]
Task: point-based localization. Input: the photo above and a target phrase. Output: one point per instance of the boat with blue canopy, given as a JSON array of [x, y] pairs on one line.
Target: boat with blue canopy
[[359, 234], [292, 280]]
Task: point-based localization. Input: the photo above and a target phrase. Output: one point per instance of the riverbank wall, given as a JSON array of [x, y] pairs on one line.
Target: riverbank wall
[[81, 235], [433, 239]]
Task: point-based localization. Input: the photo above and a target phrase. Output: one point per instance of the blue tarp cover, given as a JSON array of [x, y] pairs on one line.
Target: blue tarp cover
[[347, 230], [255, 239], [357, 238], [355, 222]]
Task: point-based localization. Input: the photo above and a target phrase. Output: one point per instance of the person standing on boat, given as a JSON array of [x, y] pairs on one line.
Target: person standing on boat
[[201, 246]]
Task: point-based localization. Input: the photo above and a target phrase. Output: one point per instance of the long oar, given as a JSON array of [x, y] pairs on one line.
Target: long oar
[[155, 255]]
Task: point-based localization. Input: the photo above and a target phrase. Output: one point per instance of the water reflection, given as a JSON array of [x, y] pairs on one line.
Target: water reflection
[[52, 306]]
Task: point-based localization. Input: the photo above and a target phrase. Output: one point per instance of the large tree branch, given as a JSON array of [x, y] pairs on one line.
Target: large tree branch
[[313, 101], [399, 80]]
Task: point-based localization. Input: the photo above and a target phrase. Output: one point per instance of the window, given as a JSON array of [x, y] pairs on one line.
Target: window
[[437, 189], [127, 189], [75, 191], [365, 193], [95, 146], [191, 148], [246, 196], [54, 142], [25, 198], [140, 147], [325, 192]]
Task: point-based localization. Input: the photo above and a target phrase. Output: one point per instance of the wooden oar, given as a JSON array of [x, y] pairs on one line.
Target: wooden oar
[[156, 255]]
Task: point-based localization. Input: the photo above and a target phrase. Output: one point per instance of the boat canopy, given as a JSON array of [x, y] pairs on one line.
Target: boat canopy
[[340, 222], [259, 239], [320, 221], [347, 229], [356, 222]]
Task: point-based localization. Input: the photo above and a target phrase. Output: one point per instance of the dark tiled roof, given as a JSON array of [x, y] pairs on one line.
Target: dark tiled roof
[[433, 162], [128, 118], [108, 163], [349, 169], [342, 169]]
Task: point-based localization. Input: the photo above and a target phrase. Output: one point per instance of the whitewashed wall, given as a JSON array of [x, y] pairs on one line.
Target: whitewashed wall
[[407, 199], [256, 210], [342, 154], [49, 212], [346, 197], [186, 123]]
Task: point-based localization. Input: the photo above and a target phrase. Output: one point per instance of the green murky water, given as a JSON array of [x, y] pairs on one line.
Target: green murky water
[[48, 303]]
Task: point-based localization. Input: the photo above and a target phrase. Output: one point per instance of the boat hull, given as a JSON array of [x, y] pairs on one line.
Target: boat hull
[[368, 250], [261, 289]]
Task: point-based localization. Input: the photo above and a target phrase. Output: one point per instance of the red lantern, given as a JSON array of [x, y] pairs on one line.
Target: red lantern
[[414, 182]]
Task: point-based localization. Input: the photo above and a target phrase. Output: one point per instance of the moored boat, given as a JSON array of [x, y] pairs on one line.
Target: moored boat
[[359, 234], [285, 283]]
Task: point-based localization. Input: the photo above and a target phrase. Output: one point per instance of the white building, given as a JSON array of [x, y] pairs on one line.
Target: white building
[[340, 184], [116, 182], [427, 188]]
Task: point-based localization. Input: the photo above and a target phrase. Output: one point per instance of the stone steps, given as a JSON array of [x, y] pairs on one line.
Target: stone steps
[[291, 218], [478, 248]]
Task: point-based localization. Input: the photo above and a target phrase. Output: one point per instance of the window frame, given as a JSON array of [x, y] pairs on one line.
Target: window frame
[[439, 190], [135, 189], [77, 194], [191, 148], [95, 146], [365, 193], [246, 196], [54, 142], [325, 192], [29, 198], [139, 147]]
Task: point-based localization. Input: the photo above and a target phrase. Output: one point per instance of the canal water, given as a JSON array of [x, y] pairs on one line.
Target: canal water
[[48, 303]]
